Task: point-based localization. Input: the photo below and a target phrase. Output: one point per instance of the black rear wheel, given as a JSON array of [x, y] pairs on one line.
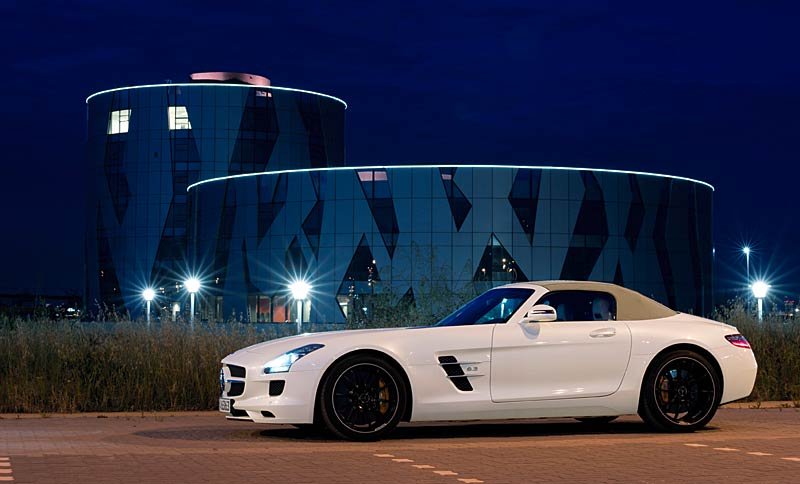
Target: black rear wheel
[[362, 398], [681, 392]]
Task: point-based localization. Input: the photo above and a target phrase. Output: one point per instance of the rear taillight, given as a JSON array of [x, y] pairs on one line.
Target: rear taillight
[[738, 340]]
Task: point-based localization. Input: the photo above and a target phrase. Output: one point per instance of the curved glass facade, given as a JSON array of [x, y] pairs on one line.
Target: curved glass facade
[[147, 144], [357, 231], [246, 187]]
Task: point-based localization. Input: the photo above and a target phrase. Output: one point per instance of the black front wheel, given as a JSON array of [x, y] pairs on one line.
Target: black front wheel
[[680, 393], [362, 398]]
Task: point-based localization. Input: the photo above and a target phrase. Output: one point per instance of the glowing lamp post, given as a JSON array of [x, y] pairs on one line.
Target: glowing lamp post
[[760, 289], [148, 295], [746, 252], [300, 290], [193, 286]]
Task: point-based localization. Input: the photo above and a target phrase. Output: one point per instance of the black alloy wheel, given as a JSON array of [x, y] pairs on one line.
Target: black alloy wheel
[[681, 392], [362, 398]]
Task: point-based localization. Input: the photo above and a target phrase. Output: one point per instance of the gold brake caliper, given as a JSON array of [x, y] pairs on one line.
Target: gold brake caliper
[[663, 385], [383, 394]]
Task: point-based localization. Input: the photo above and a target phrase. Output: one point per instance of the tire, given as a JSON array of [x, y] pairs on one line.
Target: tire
[[596, 420], [680, 392], [362, 398]]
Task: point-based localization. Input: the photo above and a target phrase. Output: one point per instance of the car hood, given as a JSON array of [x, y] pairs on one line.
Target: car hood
[[279, 346]]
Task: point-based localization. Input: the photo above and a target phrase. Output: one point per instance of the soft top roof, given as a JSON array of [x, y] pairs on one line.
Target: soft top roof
[[631, 305]]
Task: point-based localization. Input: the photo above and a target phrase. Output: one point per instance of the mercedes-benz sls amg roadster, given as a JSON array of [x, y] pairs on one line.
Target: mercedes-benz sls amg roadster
[[585, 350]]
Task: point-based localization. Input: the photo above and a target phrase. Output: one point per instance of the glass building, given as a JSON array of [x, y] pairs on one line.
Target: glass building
[[245, 186]]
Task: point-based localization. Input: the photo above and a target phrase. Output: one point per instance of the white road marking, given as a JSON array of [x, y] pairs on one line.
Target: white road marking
[[383, 455], [446, 473], [695, 445], [758, 453], [4, 458], [6, 479], [793, 459], [726, 449], [423, 466], [5, 464], [471, 481], [402, 460], [6, 471]]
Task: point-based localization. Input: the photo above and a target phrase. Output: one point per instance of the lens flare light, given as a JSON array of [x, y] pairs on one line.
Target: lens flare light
[[760, 289], [192, 285], [300, 289]]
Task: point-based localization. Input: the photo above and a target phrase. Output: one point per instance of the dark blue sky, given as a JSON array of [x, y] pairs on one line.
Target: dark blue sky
[[698, 89]]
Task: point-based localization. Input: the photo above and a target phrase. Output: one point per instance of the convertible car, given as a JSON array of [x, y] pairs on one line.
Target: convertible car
[[588, 350]]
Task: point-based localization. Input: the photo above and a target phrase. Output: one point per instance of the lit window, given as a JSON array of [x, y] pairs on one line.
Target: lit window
[[118, 121], [179, 118], [368, 176]]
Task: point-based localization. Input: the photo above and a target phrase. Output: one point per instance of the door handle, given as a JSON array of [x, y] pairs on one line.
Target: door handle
[[603, 333]]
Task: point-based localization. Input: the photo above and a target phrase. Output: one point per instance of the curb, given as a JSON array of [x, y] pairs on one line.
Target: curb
[[763, 405], [787, 404], [126, 415]]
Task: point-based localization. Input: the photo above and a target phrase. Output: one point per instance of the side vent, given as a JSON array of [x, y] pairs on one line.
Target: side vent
[[452, 367]]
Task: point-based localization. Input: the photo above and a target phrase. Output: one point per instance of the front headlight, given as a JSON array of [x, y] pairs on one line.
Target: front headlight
[[282, 363]]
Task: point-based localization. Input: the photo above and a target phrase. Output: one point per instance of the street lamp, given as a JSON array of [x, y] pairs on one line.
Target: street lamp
[[746, 252], [192, 285], [760, 289], [299, 290], [148, 294]]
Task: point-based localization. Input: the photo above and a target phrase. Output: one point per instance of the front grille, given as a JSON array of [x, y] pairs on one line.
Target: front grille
[[236, 371], [237, 388]]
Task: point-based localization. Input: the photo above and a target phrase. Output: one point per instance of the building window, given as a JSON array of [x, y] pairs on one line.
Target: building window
[[178, 118], [118, 121]]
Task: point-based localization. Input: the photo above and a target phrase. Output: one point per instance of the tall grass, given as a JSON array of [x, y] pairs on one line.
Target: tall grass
[[776, 344], [125, 366]]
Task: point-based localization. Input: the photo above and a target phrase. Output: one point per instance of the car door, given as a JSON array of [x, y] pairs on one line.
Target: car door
[[584, 353]]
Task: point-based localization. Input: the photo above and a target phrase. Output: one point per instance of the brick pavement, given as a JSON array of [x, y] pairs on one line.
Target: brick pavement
[[741, 444]]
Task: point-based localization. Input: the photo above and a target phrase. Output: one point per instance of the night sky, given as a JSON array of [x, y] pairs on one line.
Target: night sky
[[698, 89]]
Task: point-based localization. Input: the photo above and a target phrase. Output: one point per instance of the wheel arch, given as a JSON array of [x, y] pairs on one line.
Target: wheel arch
[[376, 353], [689, 347]]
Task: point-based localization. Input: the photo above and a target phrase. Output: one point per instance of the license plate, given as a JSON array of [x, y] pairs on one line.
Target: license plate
[[225, 405]]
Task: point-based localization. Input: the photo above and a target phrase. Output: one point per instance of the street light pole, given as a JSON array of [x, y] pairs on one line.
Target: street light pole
[[300, 290], [760, 289], [746, 251], [148, 295], [193, 286]]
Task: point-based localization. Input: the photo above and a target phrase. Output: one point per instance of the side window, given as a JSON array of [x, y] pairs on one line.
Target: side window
[[581, 305]]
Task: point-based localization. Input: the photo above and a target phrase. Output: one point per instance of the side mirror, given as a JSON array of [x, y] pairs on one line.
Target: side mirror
[[540, 313]]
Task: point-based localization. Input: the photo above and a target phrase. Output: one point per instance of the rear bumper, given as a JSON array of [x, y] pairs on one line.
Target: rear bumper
[[295, 405], [739, 369]]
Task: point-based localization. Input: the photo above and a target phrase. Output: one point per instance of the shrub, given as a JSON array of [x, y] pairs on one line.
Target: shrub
[[127, 366]]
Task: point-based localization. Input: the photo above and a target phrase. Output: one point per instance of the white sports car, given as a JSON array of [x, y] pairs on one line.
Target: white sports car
[[587, 350]]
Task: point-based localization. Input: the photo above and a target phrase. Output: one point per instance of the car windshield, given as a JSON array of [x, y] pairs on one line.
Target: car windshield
[[491, 307]]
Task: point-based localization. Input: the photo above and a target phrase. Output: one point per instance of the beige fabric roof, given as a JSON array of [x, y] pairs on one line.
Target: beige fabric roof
[[631, 306]]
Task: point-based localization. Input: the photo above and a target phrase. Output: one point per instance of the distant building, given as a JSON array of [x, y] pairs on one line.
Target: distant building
[[245, 185]]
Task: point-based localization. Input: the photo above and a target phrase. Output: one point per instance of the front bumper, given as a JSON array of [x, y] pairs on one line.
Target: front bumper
[[294, 405]]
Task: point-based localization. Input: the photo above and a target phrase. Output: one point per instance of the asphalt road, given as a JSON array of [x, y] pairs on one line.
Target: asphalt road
[[740, 445]]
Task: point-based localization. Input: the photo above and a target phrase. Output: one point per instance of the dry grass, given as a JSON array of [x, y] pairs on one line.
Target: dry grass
[[776, 343], [124, 366]]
